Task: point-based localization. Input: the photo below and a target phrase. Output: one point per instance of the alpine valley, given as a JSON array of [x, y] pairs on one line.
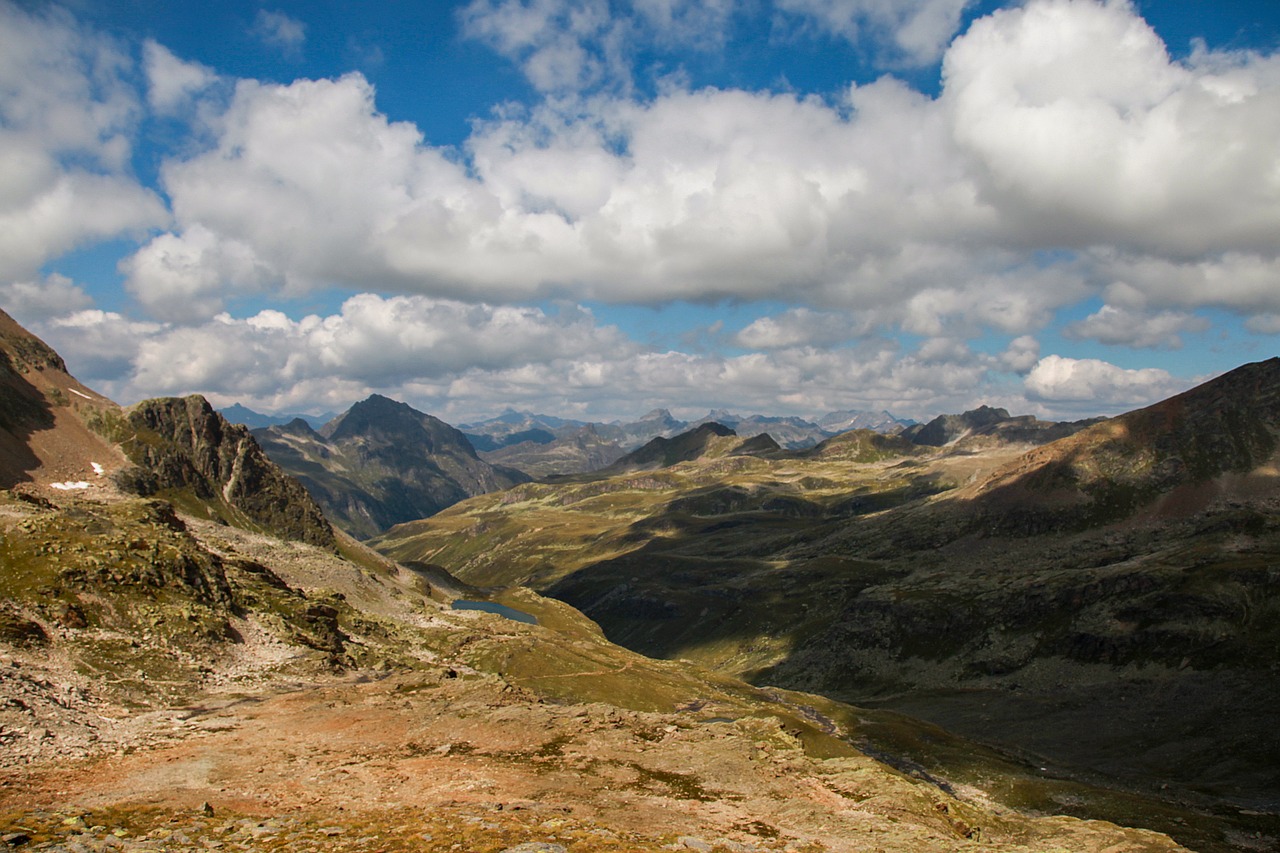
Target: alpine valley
[[198, 653]]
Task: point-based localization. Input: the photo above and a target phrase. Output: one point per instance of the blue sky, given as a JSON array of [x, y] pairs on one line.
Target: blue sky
[[593, 208]]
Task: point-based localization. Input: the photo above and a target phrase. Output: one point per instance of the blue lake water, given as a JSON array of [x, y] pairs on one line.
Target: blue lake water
[[494, 607]]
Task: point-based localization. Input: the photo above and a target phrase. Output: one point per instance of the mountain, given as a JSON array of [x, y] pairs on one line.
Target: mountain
[[658, 423], [238, 414], [513, 427], [882, 421], [1103, 603], [985, 422], [182, 671], [576, 453], [705, 441], [381, 463], [791, 433]]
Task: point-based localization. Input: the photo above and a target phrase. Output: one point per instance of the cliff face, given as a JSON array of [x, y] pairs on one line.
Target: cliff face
[[182, 443]]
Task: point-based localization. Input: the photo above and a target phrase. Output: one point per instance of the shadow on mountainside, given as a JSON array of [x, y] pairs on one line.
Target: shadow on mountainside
[[1141, 655], [24, 410]]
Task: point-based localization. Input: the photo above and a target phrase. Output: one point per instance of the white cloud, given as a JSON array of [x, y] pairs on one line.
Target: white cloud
[[67, 116], [33, 301], [714, 194], [171, 82], [1075, 130], [567, 47], [1239, 281], [1082, 131], [1123, 327], [913, 32], [1102, 385], [800, 327], [374, 343], [1022, 354], [1264, 324], [98, 346], [561, 45], [278, 30]]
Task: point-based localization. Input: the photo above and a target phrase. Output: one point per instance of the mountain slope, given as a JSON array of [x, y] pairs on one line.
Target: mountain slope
[[381, 463], [43, 410], [1177, 451]]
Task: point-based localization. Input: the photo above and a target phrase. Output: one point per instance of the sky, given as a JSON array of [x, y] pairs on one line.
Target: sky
[[594, 208]]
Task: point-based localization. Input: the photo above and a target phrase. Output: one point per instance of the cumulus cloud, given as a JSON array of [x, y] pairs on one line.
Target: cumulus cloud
[[1264, 324], [1239, 281], [1083, 131], [561, 45], [1123, 327], [800, 327], [1060, 125], [33, 301], [568, 47], [67, 117], [278, 30], [460, 361], [1022, 354], [716, 194], [914, 33], [374, 342], [1104, 386], [99, 346], [171, 82]]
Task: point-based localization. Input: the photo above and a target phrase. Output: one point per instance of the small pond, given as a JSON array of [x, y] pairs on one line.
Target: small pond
[[494, 607]]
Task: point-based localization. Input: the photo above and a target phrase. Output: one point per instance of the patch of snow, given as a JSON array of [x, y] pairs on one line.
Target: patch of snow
[[98, 469], [69, 486], [80, 393]]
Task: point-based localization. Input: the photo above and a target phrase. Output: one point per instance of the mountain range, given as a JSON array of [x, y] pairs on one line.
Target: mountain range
[[193, 658], [382, 462], [1100, 595]]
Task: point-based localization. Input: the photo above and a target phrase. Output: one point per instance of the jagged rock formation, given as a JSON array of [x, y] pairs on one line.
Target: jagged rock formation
[[183, 444], [382, 463], [991, 424]]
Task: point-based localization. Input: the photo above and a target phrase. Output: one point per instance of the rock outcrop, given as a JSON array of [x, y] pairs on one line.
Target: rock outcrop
[[183, 444]]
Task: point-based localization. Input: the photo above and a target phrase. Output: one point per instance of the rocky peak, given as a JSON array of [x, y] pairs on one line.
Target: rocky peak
[[386, 421], [183, 444], [945, 429], [23, 352], [662, 452]]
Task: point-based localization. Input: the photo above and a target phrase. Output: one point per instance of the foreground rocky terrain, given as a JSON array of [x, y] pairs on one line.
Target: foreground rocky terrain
[[192, 659], [1104, 606]]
